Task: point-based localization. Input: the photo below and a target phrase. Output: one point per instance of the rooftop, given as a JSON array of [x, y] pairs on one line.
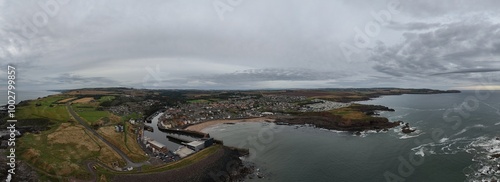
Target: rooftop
[[196, 143], [155, 143]]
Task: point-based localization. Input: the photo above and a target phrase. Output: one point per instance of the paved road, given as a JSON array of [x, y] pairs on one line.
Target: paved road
[[116, 149]]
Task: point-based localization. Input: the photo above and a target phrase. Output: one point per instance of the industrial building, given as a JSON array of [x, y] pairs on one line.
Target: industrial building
[[183, 152], [196, 145]]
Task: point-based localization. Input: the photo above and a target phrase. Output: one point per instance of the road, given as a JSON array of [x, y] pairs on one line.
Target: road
[[116, 149]]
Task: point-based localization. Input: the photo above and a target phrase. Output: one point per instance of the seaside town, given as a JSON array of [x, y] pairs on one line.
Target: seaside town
[[174, 119], [242, 107]]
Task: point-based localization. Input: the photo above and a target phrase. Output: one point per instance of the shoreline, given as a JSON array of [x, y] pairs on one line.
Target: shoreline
[[207, 124]]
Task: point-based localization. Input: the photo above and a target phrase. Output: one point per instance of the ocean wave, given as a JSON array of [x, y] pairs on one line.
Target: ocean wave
[[446, 146], [485, 167], [443, 140], [490, 146], [420, 152], [416, 133], [468, 128], [337, 131]]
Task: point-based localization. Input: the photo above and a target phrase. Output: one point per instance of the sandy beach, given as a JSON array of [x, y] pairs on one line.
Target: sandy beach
[[199, 127]]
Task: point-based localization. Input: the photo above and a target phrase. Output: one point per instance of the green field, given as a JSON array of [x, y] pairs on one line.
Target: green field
[[44, 108], [89, 112], [198, 101], [106, 98], [351, 114]]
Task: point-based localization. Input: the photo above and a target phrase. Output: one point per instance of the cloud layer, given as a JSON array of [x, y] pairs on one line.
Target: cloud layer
[[253, 44]]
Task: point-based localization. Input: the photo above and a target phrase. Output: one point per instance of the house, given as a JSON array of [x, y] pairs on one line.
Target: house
[[119, 128], [157, 146]]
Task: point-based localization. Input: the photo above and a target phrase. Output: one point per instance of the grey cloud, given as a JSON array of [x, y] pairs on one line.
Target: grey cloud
[[479, 70], [450, 47], [413, 26], [273, 74], [432, 8], [109, 43], [73, 79]]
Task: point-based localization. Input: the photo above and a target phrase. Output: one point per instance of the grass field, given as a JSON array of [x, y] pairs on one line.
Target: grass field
[[44, 108], [198, 101], [135, 152], [106, 98], [61, 150], [90, 112], [358, 112], [349, 113], [126, 141]]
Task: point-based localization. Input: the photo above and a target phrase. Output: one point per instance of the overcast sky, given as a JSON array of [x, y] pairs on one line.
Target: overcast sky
[[251, 44]]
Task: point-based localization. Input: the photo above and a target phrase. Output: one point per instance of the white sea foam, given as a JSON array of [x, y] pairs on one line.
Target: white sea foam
[[337, 131], [443, 140], [446, 146], [420, 152], [491, 146], [485, 167], [468, 128], [413, 135], [479, 126]]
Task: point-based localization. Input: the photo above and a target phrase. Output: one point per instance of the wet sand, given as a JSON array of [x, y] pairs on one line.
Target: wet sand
[[200, 126]]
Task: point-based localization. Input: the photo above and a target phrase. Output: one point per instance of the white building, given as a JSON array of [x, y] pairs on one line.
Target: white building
[[196, 145], [183, 152]]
